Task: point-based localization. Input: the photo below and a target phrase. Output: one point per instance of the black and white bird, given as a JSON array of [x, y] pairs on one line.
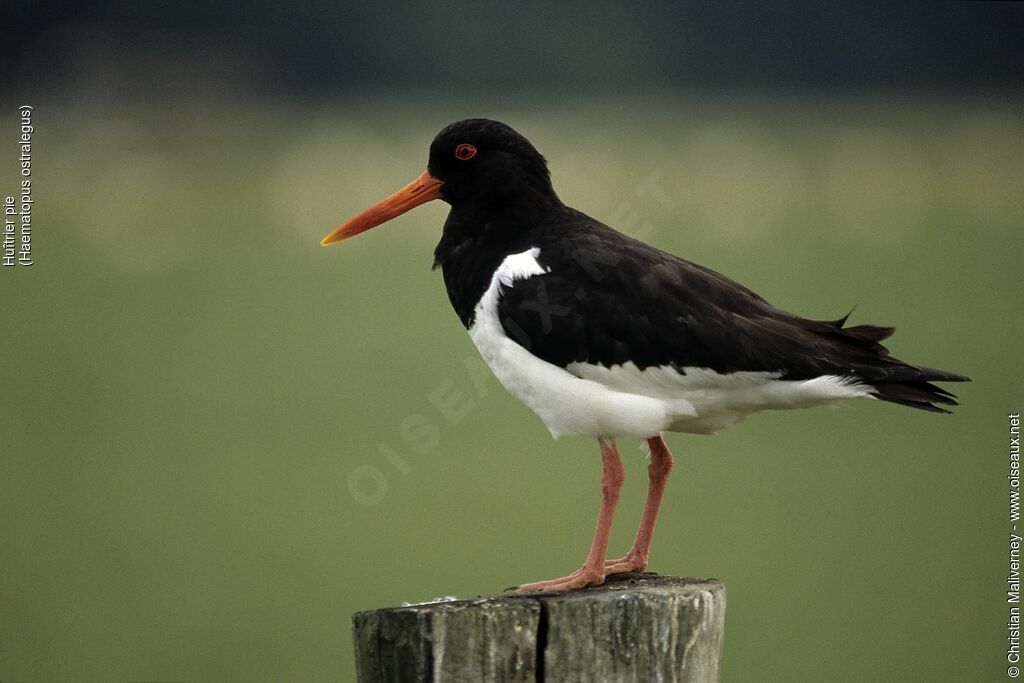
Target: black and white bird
[[604, 336]]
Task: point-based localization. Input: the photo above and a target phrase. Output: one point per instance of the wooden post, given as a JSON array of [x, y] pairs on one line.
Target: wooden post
[[636, 627]]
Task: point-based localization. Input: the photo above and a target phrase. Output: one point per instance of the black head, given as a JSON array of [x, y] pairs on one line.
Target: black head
[[474, 163], [486, 162]]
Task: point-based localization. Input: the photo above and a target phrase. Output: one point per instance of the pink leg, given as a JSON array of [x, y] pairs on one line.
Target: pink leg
[[658, 470], [592, 572]]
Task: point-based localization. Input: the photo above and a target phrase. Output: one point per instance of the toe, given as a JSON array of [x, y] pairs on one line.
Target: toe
[[581, 578]]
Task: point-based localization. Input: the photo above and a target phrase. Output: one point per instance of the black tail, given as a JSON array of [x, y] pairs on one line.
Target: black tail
[[891, 379], [919, 393]]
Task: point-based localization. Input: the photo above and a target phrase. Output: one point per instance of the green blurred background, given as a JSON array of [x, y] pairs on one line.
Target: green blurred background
[[221, 440]]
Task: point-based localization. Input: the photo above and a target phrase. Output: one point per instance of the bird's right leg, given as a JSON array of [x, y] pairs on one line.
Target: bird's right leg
[[658, 472], [592, 572]]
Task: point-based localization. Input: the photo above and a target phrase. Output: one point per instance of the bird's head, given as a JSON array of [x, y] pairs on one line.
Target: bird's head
[[472, 162]]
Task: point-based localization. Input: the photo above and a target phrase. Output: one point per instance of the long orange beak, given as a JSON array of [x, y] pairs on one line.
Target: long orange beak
[[419, 191]]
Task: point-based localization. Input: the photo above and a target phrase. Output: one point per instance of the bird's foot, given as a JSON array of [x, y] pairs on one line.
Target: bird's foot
[[581, 578], [631, 563]]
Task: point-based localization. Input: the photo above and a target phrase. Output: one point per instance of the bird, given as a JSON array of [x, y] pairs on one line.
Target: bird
[[604, 336]]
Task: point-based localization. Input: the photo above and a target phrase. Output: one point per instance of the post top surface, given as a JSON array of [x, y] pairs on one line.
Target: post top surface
[[615, 586]]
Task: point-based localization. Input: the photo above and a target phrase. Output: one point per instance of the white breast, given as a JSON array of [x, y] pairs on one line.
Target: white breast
[[592, 400]]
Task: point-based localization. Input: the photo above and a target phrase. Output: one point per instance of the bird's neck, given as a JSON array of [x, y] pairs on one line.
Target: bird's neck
[[477, 239]]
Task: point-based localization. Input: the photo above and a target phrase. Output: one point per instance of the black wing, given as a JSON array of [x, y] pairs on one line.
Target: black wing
[[609, 299]]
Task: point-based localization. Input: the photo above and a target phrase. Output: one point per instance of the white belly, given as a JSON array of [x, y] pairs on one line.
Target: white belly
[[592, 400]]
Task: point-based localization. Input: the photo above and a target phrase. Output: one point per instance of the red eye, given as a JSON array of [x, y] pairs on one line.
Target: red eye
[[465, 151]]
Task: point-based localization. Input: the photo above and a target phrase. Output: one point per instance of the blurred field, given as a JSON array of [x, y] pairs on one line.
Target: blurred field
[[190, 382]]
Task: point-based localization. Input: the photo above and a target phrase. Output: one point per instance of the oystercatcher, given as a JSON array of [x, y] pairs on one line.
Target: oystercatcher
[[604, 336]]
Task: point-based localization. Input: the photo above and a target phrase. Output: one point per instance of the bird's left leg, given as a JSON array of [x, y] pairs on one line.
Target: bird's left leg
[[658, 471], [592, 572]]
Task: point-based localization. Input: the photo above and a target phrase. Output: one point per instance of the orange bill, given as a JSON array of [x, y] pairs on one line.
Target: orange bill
[[419, 191]]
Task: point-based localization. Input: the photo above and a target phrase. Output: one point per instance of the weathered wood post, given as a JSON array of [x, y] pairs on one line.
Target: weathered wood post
[[636, 627]]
